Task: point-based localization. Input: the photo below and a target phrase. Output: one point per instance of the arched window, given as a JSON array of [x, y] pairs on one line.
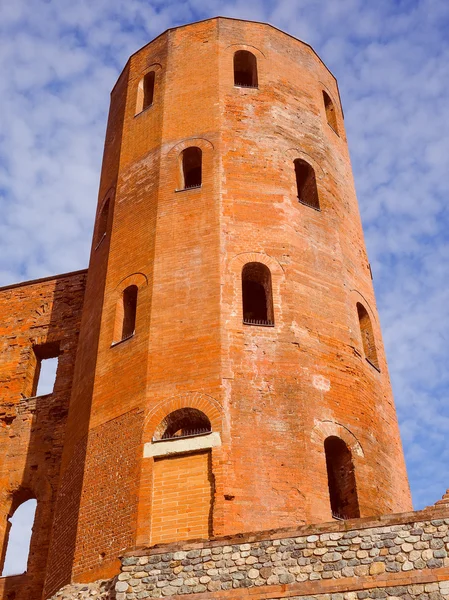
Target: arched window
[[306, 184], [129, 302], [341, 479], [184, 422], [366, 331], [145, 92], [18, 534], [245, 69], [102, 225], [256, 295], [191, 168], [330, 111], [183, 482]]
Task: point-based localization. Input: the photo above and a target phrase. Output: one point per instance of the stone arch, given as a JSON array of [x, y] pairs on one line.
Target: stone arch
[[357, 296], [138, 279], [202, 402], [238, 261], [201, 142], [293, 153], [34, 485], [324, 429], [235, 47]]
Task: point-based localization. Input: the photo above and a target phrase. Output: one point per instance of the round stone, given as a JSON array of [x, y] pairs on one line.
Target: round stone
[[253, 573], [121, 586]]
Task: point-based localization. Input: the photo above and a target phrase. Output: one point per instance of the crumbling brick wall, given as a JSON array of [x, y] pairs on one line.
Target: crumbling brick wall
[[32, 428]]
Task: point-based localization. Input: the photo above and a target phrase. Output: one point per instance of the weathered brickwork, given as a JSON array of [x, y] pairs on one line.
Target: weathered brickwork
[[295, 419], [32, 430]]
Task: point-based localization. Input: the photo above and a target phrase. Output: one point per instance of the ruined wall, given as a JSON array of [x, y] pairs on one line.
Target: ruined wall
[[39, 313]]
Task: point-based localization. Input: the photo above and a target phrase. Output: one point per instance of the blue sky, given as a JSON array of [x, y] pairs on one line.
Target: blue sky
[[59, 61]]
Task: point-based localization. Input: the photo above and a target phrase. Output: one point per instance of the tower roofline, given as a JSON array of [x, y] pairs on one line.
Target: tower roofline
[[229, 19]]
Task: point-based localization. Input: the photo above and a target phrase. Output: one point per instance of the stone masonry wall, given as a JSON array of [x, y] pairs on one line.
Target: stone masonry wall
[[398, 556]]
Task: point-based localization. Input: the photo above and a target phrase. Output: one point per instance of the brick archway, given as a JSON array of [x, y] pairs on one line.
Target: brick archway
[[203, 402]]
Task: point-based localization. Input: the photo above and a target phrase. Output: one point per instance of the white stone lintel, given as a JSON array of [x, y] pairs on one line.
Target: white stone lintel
[[174, 446]]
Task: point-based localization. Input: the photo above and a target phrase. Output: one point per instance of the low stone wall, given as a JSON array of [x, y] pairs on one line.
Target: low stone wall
[[393, 557]]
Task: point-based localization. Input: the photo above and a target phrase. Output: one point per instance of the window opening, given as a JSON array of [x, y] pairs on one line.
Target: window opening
[[44, 366], [256, 295], [102, 222], [191, 167], [330, 112], [306, 184], [18, 538], [129, 311], [245, 69], [366, 331], [145, 92], [341, 479], [181, 423]]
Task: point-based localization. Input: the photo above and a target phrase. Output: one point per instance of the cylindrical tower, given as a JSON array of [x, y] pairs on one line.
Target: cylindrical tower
[[230, 374]]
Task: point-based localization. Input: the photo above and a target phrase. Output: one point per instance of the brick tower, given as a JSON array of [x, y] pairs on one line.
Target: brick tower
[[228, 292], [230, 375]]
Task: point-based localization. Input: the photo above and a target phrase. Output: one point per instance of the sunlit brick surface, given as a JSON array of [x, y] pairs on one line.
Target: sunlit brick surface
[[182, 496]]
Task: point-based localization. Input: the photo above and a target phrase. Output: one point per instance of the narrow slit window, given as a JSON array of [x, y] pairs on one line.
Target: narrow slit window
[[18, 538], [245, 69], [306, 184], [330, 112], [366, 331], [129, 299], [145, 92], [102, 222], [191, 167], [341, 479], [43, 369], [257, 295]]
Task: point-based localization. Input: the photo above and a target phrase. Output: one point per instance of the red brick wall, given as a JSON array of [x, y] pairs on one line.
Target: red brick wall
[[32, 430], [182, 498]]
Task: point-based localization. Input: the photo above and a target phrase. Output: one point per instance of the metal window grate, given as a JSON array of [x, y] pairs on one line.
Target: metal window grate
[[261, 322], [186, 433], [245, 85], [338, 516], [191, 187]]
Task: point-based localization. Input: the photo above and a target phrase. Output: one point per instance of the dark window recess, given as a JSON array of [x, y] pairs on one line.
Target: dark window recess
[[184, 422], [129, 311], [341, 479], [191, 167], [306, 184], [330, 111], [245, 69], [256, 295], [148, 89], [145, 92], [366, 331], [102, 226]]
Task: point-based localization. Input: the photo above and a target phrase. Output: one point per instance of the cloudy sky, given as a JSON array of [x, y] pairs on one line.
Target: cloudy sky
[[59, 61]]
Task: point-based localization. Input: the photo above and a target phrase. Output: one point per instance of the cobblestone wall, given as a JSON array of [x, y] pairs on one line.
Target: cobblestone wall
[[403, 559]]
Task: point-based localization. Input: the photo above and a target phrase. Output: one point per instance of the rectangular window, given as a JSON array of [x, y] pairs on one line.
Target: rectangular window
[[43, 369]]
